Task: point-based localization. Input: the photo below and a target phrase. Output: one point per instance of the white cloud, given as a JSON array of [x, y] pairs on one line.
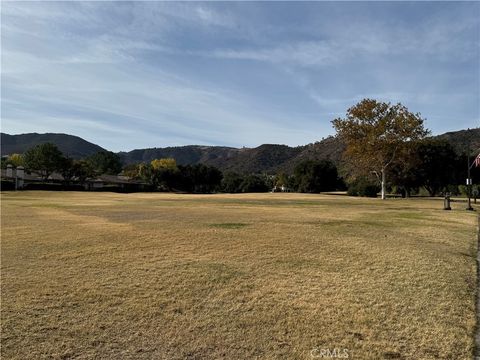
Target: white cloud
[[134, 101]]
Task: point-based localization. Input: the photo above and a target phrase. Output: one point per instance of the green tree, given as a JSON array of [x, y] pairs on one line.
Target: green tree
[[206, 179], [374, 132], [145, 172], [105, 162], [66, 170], [82, 170], [315, 176], [404, 174], [16, 160], [164, 173], [231, 182], [283, 179], [76, 170], [254, 184], [44, 159], [197, 178], [164, 164], [132, 171], [436, 165]]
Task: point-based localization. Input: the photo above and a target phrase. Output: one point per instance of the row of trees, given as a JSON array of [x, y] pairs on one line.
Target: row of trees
[[166, 175], [430, 164], [386, 150], [45, 159]]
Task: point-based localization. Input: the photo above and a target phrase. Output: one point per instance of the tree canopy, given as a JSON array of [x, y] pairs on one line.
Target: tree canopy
[[316, 176], [105, 162], [164, 164], [374, 133], [16, 160], [436, 165], [43, 159]]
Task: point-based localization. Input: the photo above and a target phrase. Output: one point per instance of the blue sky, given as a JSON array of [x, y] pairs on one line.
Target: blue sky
[[130, 75]]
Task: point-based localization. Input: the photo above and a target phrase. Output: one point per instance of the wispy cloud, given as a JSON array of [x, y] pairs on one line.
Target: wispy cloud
[[133, 74], [434, 38], [311, 53]]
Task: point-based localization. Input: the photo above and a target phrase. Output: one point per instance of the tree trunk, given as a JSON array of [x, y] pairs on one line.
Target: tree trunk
[[383, 184]]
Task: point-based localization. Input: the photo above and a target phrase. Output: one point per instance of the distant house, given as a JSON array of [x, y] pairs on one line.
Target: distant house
[[117, 183], [13, 178]]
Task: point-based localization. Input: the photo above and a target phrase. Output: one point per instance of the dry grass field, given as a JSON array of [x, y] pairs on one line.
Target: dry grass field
[[270, 276]]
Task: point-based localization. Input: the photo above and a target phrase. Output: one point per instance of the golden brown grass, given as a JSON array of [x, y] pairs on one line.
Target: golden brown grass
[[162, 276]]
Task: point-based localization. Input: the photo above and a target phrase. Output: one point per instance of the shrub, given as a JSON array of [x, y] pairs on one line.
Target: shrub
[[363, 187]]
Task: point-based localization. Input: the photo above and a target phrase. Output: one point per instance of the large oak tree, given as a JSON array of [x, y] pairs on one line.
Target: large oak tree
[[44, 159], [375, 133]]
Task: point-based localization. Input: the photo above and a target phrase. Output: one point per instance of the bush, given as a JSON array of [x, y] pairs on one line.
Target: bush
[[363, 187]]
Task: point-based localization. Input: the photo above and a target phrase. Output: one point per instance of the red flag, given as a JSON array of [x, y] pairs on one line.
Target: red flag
[[477, 161]]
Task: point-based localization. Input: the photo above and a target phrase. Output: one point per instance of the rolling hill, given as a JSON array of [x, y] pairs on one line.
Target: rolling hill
[[70, 145], [462, 139], [268, 158]]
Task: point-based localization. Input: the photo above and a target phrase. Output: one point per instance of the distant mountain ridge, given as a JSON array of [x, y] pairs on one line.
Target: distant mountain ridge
[[190, 154], [460, 139], [268, 158], [264, 158], [72, 146]]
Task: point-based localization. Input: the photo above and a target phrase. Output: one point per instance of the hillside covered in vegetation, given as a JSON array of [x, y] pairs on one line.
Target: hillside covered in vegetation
[[270, 158]]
